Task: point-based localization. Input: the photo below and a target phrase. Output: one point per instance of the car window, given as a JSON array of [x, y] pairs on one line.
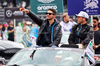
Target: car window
[[20, 57], [48, 57]]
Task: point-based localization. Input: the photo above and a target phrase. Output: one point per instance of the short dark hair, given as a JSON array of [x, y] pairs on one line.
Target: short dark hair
[[53, 10], [10, 21], [96, 18]]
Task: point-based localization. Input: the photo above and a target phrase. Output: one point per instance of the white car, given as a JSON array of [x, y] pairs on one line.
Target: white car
[[49, 56], [9, 48]]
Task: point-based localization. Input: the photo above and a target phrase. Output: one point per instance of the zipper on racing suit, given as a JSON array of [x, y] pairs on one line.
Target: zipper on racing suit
[[78, 34]]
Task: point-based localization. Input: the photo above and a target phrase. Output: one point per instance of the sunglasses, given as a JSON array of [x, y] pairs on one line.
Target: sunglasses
[[50, 13]]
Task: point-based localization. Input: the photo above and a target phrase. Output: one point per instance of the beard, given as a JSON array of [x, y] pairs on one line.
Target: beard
[[94, 26], [50, 18], [80, 22]]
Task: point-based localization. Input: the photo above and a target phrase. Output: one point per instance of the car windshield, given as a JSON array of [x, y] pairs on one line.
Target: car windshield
[[47, 57]]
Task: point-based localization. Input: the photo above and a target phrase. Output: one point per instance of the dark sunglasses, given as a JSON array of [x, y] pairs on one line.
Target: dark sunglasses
[[50, 13]]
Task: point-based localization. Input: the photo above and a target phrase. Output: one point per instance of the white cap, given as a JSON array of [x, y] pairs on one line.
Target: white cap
[[83, 14]]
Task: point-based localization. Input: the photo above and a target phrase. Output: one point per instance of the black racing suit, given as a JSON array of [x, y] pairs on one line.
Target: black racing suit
[[81, 34], [56, 32]]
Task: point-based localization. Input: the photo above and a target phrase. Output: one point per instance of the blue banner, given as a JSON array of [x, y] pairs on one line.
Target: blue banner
[[92, 7]]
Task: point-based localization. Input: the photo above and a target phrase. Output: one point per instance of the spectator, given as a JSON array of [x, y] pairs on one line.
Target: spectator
[[25, 28], [28, 3], [25, 32], [4, 3], [5, 32], [96, 35], [81, 33], [66, 24], [11, 31], [14, 3], [65, 3], [18, 33], [50, 30], [0, 31], [29, 24]]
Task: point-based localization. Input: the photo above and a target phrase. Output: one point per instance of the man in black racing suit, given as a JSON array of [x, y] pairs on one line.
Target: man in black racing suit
[[81, 33]]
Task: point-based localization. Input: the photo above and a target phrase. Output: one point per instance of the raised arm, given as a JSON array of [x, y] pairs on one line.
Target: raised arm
[[33, 16]]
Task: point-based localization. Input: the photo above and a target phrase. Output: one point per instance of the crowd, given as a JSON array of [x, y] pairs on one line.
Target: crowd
[[18, 3], [11, 33], [14, 3]]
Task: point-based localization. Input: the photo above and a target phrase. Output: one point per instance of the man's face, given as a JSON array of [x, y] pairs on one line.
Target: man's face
[[95, 23], [50, 15], [80, 19]]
